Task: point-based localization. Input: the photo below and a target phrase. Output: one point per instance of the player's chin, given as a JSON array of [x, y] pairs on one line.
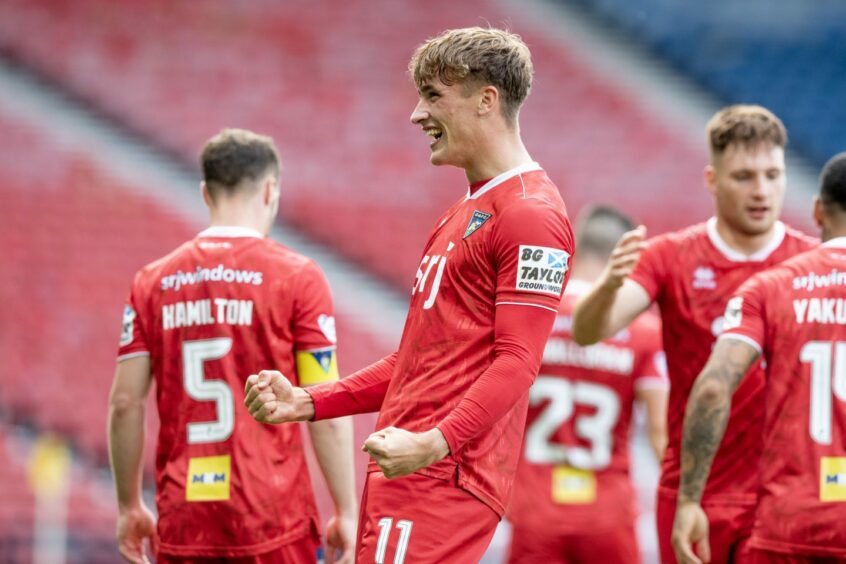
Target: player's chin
[[760, 223], [441, 156]]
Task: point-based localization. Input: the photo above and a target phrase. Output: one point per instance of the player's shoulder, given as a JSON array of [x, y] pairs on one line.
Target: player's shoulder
[[787, 274], [679, 242], [798, 241], [532, 200], [154, 269], [276, 251], [696, 233]]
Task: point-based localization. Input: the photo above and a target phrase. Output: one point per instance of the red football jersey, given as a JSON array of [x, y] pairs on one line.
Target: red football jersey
[[796, 315], [574, 473], [509, 242], [691, 274], [220, 307]]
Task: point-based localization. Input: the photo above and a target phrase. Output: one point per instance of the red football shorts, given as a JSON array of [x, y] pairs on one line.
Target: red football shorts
[[421, 520], [303, 551], [729, 529], [758, 556], [617, 547]]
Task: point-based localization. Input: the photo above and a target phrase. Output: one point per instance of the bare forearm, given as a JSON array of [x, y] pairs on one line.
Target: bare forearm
[[658, 442], [704, 425], [654, 400], [708, 413], [126, 449], [332, 440], [592, 314]]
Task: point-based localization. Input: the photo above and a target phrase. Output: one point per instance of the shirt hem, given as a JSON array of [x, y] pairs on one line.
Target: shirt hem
[[240, 551], [127, 356], [792, 548]]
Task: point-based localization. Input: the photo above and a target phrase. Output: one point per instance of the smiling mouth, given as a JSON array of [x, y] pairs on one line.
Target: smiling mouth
[[435, 133]]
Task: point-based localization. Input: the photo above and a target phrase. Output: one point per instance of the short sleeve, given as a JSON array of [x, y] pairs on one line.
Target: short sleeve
[[651, 270], [133, 337], [651, 364], [313, 328], [533, 249], [744, 318]]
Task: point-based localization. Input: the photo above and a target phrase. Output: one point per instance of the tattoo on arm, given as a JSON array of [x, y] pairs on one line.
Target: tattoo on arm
[[708, 412]]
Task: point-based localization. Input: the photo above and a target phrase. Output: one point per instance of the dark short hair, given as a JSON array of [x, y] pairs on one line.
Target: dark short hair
[[833, 182], [598, 228], [234, 156]]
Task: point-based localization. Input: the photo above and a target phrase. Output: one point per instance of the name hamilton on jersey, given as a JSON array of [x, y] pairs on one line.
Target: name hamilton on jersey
[[207, 312]]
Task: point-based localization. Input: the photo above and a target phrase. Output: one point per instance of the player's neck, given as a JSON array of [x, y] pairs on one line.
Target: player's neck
[[500, 152], [744, 243], [237, 217]]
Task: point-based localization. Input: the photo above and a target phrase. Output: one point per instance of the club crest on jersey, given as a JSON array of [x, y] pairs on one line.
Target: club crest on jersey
[[327, 327], [541, 269], [733, 315], [704, 278], [127, 328], [476, 222]]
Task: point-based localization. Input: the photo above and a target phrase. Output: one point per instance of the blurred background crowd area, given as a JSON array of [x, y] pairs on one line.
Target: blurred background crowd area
[[104, 107]]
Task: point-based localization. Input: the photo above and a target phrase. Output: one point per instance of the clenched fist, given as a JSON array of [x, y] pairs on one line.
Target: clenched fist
[[270, 398], [399, 452]]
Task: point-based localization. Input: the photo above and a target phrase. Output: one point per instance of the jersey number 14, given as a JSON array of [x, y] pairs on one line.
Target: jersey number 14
[[819, 355]]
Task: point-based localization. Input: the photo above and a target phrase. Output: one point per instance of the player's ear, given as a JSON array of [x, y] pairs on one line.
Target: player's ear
[[204, 191], [819, 213], [268, 189], [488, 100], [709, 175]]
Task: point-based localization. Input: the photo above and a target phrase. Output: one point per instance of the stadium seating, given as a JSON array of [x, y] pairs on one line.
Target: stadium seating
[[91, 508], [74, 235], [329, 83], [786, 55]]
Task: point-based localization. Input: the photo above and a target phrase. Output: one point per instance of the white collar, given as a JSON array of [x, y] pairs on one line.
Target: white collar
[[837, 242], [229, 231], [499, 179], [737, 256]]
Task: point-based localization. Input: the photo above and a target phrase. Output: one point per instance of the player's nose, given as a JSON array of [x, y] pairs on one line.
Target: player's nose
[[419, 114]]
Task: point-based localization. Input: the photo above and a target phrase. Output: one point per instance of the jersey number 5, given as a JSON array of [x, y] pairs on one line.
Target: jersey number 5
[[819, 355], [595, 428], [194, 356]]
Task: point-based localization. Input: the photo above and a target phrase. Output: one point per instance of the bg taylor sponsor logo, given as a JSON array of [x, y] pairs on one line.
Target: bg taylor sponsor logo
[[218, 273], [541, 269]]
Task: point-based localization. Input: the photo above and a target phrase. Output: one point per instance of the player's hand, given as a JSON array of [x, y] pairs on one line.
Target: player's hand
[[399, 452], [133, 526], [270, 398], [691, 528], [624, 257], [340, 539]]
